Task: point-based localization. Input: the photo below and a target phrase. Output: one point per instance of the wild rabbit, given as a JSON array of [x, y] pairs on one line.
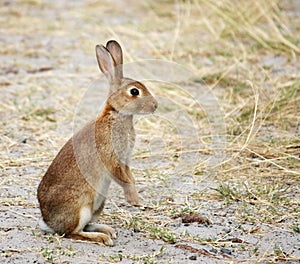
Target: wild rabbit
[[72, 193]]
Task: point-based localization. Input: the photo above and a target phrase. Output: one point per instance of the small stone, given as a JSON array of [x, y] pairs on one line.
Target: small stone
[[23, 140], [226, 251], [136, 230], [213, 250], [194, 257], [226, 230]]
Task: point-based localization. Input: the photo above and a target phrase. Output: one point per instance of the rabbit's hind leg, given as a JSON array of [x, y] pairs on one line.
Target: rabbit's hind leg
[[101, 228], [80, 233], [92, 236]]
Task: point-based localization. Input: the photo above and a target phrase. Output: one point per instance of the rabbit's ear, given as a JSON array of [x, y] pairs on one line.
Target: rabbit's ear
[[115, 50], [106, 63]]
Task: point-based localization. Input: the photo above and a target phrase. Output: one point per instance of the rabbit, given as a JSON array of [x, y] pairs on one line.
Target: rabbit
[[73, 190]]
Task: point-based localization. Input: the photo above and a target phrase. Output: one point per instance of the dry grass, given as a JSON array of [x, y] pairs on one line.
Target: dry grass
[[245, 52]]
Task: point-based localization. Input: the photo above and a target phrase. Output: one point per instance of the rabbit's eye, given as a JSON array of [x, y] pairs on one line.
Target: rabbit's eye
[[134, 92]]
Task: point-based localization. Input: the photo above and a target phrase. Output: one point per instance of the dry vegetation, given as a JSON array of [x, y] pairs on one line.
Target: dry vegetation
[[246, 53]]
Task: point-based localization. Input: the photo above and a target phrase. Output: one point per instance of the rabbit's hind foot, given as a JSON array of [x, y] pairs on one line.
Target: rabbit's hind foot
[[101, 228]]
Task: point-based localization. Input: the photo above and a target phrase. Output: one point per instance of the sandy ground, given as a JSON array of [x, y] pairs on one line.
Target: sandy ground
[[48, 72]]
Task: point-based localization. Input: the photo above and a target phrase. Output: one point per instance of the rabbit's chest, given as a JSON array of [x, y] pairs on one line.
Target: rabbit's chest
[[123, 141]]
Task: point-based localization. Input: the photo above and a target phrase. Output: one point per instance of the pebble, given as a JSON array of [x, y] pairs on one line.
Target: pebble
[[226, 230], [226, 251], [194, 257], [213, 250]]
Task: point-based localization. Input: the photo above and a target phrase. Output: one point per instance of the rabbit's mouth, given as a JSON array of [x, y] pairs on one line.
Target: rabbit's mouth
[[149, 110]]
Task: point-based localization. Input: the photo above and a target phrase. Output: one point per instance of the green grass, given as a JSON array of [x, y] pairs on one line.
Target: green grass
[[145, 259], [153, 230]]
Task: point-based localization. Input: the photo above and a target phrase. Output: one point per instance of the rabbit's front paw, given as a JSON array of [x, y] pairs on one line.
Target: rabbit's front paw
[[134, 201], [131, 195]]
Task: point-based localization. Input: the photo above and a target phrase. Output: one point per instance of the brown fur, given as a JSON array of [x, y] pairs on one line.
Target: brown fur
[[72, 193]]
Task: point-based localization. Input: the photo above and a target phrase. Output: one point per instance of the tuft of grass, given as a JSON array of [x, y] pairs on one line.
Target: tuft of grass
[[53, 254], [163, 233], [54, 250], [284, 108], [152, 230], [261, 203], [296, 228], [252, 18], [229, 193], [145, 259]]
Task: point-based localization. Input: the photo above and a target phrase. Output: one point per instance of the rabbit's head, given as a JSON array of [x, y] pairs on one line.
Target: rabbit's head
[[126, 96]]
